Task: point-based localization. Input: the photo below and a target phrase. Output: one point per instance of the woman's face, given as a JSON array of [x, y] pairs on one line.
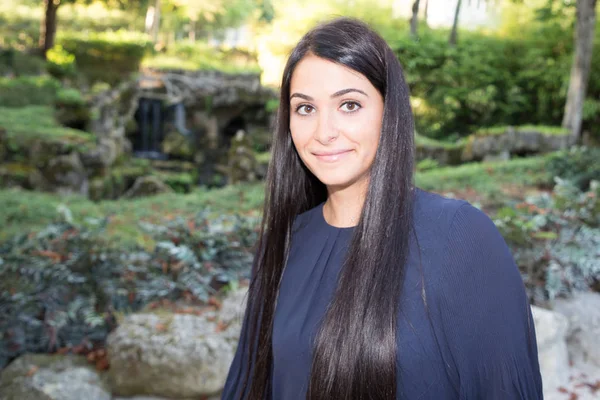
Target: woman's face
[[335, 121]]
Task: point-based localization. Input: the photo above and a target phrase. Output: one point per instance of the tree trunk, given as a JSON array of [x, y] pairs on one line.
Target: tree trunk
[[414, 20], [153, 20], [192, 33], [48, 26], [582, 63], [453, 33], [426, 11]]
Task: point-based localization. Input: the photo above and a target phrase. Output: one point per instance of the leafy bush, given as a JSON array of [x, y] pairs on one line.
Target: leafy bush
[[201, 56], [61, 63], [106, 57], [28, 91], [555, 239], [65, 285], [578, 164], [490, 80], [19, 63], [38, 122]]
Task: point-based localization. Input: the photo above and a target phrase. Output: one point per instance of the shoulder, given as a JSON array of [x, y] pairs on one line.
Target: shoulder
[[433, 215]]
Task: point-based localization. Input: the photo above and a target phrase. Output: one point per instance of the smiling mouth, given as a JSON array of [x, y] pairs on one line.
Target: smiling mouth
[[332, 156]]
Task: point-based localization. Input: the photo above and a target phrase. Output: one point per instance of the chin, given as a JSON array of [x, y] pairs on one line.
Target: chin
[[338, 180]]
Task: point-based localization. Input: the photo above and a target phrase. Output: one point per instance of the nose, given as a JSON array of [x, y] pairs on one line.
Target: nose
[[325, 131]]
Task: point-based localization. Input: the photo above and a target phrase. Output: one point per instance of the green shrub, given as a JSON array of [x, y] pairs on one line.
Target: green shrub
[[106, 57], [201, 56], [579, 165], [554, 238], [69, 277], [26, 124], [486, 178], [28, 91], [61, 63]]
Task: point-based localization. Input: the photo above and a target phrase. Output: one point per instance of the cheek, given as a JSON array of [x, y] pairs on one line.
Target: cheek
[[365, 132], [301, 132]]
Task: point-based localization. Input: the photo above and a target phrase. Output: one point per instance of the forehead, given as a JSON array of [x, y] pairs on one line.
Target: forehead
[[314, 75]]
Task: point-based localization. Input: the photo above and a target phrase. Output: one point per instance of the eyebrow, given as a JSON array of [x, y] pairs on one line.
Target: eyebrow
[[336, 94]]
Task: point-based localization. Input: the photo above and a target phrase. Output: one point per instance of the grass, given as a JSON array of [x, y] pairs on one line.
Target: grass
[[545, 129], [24, 210], [429, 142], [486, 178], [38, 122], [172, 62]]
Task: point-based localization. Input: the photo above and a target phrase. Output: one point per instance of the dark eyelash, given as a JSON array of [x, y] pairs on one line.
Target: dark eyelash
[[302, 105], [352, 102]]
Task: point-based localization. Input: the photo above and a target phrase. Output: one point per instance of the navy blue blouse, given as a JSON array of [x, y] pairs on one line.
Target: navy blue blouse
[[478, 341]]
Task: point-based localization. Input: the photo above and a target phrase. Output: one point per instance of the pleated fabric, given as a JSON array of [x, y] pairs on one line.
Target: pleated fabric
[[472, 339]]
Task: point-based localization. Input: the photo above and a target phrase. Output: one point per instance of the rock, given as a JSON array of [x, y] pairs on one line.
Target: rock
[[583, 314], [147, 186], [172, 355], [102, 156], [551, 329], [175, 355], [241, 163], [51, 377], [63, 174], [177, 145], [515, 141]]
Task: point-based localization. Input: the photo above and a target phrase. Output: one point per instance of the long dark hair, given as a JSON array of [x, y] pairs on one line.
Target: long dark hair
[[354, 355]]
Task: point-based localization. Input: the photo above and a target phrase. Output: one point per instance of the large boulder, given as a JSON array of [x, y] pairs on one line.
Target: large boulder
[[551, 329], [51, 377], [515, 140], [583, 336], [174, 355], [63, 174]]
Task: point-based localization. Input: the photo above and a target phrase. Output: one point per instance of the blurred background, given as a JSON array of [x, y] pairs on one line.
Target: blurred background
[[134, 142]]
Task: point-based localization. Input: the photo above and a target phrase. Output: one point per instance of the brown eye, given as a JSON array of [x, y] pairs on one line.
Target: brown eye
[[350, 106], [304, 109]]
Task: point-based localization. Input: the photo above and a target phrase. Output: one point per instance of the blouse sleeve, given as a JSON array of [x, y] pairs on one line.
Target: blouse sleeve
[[485, 322]]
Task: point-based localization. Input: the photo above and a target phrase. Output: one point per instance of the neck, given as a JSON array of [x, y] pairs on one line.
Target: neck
[[344, 205]]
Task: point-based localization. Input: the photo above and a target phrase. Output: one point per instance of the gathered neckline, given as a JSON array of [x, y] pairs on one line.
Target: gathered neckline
[[323, 221]]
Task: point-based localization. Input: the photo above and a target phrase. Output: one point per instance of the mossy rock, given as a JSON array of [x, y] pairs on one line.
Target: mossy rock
[[118, 179], [527, 139], [444, 153], [182, 182], [147, 186], [15, 174], [177, 145]]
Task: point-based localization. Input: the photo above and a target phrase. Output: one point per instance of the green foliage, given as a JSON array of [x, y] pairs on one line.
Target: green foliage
[[554, 238], [38, 122], [500, 130], [19, 63], [492, 80], [28, 91], [427, 164], [486, 178], [69, 97], [579, 165], [193, 56], [24, 210], [61, 63], [20, 21], [108, 56], [64, 285]]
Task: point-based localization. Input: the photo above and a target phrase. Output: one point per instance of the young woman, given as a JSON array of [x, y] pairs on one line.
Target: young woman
[[364, 286]]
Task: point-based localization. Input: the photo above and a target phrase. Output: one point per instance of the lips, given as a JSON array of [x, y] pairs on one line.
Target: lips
[[331, 156]]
